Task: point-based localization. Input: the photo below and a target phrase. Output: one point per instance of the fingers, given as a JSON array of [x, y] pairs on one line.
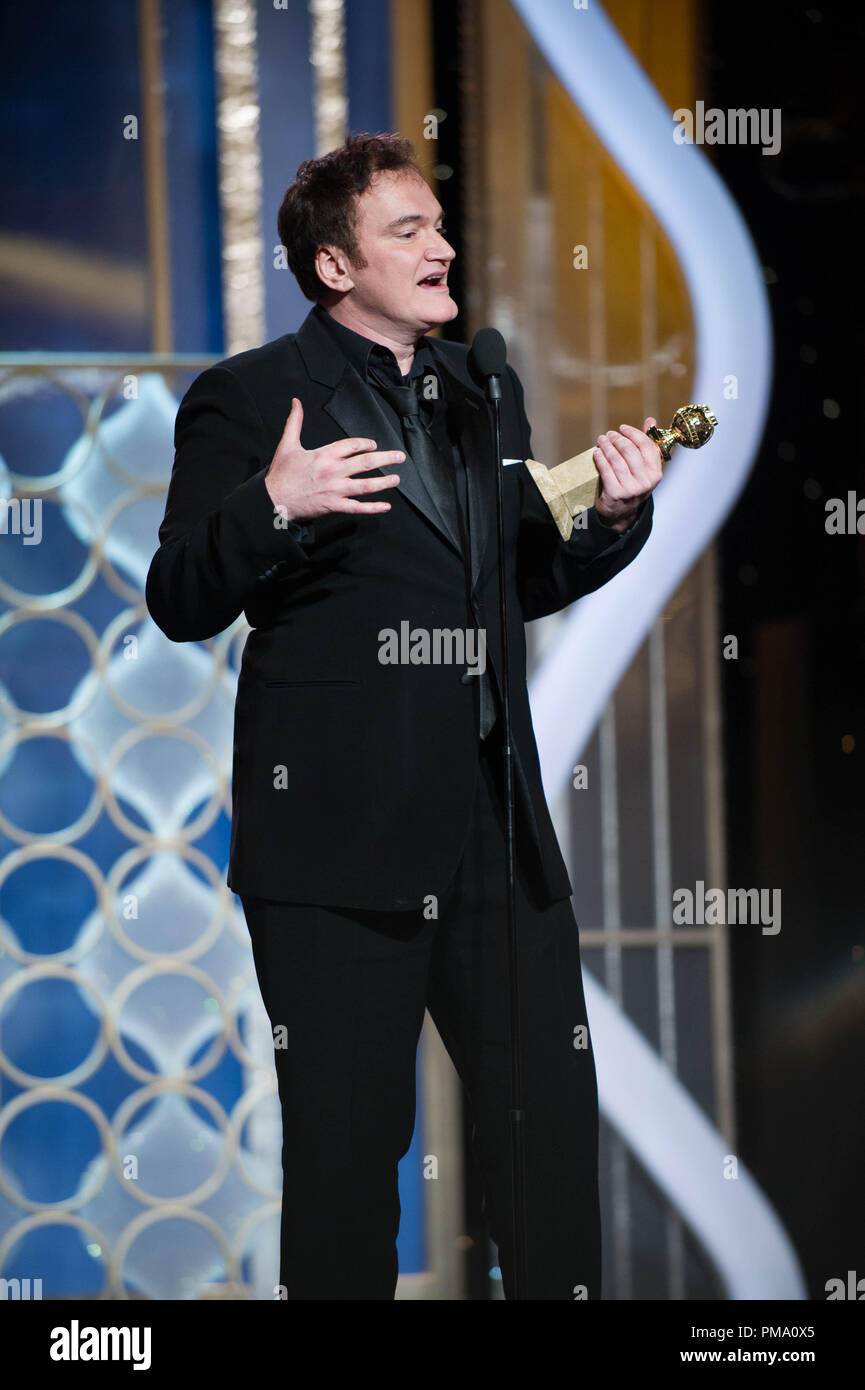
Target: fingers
[[646, 446], [631, 444], [383, 458], [354, 508], [616, 475], [634, 461], [611, 486], [649, 451], [344, 448], [291, 433], [376, 484]]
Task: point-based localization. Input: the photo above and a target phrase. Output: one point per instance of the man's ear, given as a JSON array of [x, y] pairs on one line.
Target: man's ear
[[332, 268]]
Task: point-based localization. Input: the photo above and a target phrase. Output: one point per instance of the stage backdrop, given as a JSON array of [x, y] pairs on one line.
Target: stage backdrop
[[139, 1130]]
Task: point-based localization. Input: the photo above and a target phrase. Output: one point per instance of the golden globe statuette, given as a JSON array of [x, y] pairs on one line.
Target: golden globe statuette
[[572, 487]]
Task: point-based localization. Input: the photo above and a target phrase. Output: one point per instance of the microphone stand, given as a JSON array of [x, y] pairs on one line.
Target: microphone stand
[[494, 387]]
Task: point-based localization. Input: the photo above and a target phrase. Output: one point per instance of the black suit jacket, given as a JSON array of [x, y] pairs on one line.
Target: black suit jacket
[[352, 779]]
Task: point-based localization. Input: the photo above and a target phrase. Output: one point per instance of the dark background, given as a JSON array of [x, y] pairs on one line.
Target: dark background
[[794, 707]]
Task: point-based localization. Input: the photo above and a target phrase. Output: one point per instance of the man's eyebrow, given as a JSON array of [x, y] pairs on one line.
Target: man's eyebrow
[[411, 217]]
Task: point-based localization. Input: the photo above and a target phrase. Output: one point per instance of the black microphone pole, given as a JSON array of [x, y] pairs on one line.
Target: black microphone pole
[[489, 355]]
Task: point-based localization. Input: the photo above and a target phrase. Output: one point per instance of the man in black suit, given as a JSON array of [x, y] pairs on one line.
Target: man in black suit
[[358, 537]]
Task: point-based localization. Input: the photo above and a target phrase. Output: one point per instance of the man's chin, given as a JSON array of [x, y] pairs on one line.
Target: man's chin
[[441, 310]]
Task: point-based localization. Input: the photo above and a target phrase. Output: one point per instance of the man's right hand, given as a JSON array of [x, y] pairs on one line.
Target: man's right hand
[[308, 483]]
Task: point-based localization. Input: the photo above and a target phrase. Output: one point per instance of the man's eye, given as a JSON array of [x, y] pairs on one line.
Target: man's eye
[[403, 236]]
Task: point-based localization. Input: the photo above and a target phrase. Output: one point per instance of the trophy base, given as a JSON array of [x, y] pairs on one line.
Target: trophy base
[[568, 489]]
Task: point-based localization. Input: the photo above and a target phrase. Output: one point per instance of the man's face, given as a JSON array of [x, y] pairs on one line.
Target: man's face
[[398, 223]]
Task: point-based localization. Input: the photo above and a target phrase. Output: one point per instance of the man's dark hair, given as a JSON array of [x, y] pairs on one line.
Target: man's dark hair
[[319, 209]]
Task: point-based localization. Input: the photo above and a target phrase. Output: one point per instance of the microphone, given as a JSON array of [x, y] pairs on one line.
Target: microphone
[[487, 357], [486, 361]]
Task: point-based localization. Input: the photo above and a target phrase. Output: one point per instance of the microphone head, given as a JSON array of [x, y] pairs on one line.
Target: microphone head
[[488, 353]]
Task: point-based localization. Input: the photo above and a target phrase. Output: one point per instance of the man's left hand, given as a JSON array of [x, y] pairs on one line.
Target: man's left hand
[[629, 464]]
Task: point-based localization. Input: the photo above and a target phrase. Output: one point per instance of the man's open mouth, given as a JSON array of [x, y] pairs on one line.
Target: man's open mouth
[[434, 281]]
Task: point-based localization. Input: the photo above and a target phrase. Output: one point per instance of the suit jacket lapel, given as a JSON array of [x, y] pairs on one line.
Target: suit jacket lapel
[[355, 409], [477, 448]]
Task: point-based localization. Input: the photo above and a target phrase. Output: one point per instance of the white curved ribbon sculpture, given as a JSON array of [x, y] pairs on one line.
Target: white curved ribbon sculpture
[[639, 1094]]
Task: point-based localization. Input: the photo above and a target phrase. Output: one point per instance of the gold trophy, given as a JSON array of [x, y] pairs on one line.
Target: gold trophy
[[572, 487]]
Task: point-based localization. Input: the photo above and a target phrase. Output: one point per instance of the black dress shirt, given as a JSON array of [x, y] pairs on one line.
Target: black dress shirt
[[428, 385]]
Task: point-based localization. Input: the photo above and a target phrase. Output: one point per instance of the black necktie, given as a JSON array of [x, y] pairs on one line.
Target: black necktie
[[436, 471]]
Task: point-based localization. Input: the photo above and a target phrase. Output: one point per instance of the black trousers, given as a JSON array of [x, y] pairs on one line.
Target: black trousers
[[348, 989]]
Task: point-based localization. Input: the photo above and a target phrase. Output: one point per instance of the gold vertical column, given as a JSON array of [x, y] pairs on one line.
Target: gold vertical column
[[327, 56], [412, 77], [155, 179], [237, 119]]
